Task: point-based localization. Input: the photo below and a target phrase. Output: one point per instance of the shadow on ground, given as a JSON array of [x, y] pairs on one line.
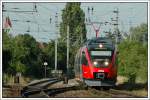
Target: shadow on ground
[[132, 86]]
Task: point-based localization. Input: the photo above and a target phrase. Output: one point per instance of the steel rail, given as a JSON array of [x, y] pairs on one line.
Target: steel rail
[[37, 87]]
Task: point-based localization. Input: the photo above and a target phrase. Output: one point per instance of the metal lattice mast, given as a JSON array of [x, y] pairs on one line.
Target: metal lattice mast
[[115, 20]]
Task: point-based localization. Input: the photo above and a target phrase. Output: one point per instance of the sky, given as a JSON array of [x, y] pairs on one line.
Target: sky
[[130, 14]]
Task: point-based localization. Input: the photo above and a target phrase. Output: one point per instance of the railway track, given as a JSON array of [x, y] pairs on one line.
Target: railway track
[[121, 94], [37, 87], [113, 93], [46, 93], [40, 90]]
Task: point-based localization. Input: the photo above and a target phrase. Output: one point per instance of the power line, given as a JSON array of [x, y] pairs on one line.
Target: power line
[[40, 5], [52, 33], [33, 12]]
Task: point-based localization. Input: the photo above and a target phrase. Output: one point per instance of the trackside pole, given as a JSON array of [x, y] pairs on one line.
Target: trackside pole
[[66, 77]]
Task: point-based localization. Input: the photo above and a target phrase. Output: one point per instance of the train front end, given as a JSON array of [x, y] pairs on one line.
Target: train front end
[[99, 66]]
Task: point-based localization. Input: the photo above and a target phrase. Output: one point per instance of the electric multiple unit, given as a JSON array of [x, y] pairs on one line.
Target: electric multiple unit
[[95, 62]]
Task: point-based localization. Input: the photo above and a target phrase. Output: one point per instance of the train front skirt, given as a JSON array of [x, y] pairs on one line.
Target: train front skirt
[[91, 82]]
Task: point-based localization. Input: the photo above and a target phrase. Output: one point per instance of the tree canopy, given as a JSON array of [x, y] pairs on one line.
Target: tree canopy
[[74, 17]]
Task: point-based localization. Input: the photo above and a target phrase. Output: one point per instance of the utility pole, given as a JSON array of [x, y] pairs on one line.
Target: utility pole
[[67, 62], [90, 13], [56, 41], [56, 54], [67, 48], [117, 34]]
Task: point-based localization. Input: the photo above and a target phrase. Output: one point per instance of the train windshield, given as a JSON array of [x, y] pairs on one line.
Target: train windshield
[[101, 58]]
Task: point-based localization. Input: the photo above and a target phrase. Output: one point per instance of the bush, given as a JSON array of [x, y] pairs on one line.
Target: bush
[[133, 60]]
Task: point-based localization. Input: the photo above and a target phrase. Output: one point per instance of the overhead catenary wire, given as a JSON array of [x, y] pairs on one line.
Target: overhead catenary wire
[[30, 21], [33, 13], [44, 23]]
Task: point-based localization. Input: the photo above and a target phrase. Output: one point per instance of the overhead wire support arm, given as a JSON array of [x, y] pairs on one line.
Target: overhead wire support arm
[[17, 11]]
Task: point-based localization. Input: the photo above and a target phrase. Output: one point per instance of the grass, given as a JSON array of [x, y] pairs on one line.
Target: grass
[[142, 92]]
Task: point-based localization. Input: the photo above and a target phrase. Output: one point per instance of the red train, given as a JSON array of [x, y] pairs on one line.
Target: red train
[[95, 62]]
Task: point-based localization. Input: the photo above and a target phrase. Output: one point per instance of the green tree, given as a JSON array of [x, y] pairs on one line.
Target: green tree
[[23, 53], [49, 54], [29, 55], [133, 56], [49, 50], [6, 50], [139, 33], [72, 16]]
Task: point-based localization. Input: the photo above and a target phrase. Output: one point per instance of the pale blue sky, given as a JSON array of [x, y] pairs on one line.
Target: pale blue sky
[[135, 12]]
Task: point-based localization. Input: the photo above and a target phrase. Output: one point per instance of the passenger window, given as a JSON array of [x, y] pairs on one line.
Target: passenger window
[[84, 60]]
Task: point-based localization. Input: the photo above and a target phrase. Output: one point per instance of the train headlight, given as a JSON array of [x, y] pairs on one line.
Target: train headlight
[[106, 63], [95, 63], [100, 45]]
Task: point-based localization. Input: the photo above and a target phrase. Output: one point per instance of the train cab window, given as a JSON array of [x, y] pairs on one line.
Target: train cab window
[[83, 59]]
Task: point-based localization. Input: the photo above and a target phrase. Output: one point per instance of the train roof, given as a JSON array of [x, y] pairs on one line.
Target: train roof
[[107, 42], [100, 40]]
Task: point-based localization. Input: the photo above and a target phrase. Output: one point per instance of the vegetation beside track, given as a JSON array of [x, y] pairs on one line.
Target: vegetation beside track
[[133, 55]]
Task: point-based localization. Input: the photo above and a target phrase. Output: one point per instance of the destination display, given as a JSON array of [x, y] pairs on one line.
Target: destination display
[[101, 53]]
